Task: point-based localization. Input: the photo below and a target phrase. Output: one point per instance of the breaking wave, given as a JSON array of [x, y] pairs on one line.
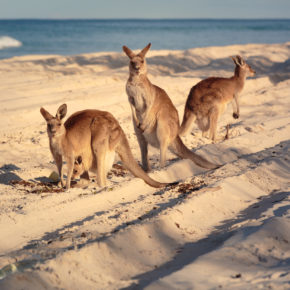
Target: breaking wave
[[6, 42]]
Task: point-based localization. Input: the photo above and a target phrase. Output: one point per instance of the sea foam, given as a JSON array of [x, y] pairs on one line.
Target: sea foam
[[6, 42]]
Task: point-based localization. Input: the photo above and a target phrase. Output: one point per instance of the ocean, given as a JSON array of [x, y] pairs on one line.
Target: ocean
[[70, 37]]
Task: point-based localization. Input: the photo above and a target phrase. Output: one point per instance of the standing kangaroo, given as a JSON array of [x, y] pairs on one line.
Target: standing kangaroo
[[155, 118], [207, 100], [95, 136]]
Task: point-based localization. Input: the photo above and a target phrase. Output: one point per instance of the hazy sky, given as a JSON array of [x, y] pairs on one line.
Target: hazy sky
[[144, 9]]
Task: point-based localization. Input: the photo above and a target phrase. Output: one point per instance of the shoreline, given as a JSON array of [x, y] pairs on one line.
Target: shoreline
[[109, 52]]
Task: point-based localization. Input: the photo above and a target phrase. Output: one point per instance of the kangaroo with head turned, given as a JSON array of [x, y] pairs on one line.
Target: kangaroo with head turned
[[155, 118], [94, 136], [207, 100]]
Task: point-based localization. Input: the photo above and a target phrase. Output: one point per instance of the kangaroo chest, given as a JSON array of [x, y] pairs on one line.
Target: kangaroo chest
[[56, 146], [137, 96]]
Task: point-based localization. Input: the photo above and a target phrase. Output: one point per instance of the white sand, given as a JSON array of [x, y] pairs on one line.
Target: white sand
[[232, 233]]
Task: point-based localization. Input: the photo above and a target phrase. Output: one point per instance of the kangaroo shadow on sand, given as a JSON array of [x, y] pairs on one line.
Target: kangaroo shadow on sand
[[7, 173], [192, 251], [173, 65], [63, 65], [186, 63]]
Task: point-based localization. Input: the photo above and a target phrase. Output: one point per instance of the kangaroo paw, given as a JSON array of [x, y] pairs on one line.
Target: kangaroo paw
[[236, 115]]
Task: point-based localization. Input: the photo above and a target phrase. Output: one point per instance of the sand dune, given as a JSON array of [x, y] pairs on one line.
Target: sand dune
[[227, 228]]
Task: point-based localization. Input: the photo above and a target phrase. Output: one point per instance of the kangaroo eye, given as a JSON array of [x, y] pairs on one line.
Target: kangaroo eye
[[58, 125]]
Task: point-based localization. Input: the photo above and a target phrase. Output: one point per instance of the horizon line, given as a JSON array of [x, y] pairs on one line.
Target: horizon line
[[142, 19]]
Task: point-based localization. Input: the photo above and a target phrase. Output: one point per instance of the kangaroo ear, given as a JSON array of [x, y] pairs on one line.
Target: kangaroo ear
[[128, 51], [234, 59], [78, 160], [144, 50], [46, 115], [61, 112], [238, 60]]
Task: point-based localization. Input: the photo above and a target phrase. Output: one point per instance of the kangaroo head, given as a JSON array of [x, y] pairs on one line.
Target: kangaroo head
[[241, 65], [78, 168], [137, 63], [55, 126]]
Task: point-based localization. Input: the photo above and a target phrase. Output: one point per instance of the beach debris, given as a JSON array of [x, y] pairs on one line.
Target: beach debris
[[186, 188], [239, 275], [54, 176], [15, 267], [36, 187], [118, 170], [8, 269]]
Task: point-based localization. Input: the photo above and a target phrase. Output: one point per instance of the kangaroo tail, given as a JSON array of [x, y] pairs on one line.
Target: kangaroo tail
[[183, 152], [187, 122], [189, 115], [127, 158]]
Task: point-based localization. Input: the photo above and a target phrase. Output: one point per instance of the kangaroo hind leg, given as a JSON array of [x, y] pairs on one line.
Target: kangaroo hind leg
[[213, 119], [163, 150], [166, 130], [100, 146], [163, 136], [204, 124], [143, 144]]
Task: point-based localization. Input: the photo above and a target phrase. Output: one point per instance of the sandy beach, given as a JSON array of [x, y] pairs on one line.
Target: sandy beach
[[223, 229]]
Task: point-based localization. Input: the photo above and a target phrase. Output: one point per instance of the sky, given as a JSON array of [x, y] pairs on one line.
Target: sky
[[67, 9]]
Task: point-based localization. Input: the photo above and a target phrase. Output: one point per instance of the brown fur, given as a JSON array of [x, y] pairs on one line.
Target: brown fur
[[208, 99], [93, 135], [155, 118]]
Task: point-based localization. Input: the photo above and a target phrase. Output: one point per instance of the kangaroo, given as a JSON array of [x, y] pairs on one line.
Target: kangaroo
[[81, 170], [208, 99], [95, 136], [155, 118]]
